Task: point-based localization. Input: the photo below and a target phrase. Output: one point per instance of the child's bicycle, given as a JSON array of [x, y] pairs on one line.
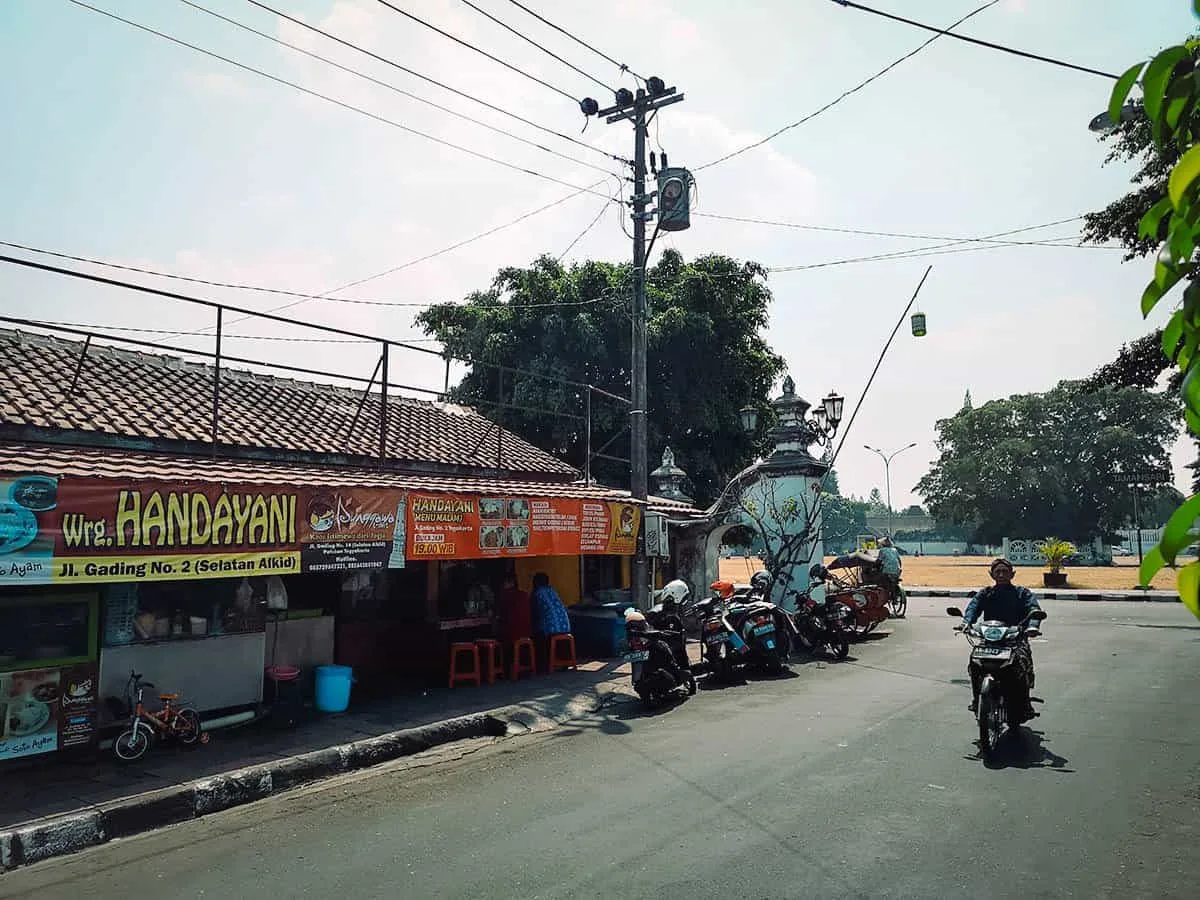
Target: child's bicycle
[[181, 724]]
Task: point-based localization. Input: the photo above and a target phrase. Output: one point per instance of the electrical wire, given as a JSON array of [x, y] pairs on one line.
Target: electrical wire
[[390, 87], [922, 252], [529, 40], [378, 118], [466, 96], [847, 93], [1024, 54], [479, 50], [224, 334], [578, 40], [582, 234], [750, 220]]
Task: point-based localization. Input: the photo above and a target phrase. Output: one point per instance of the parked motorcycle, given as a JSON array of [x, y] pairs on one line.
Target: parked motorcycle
[[766, 628], [658, 646], [722, 647], [822, 627], [992, 645]]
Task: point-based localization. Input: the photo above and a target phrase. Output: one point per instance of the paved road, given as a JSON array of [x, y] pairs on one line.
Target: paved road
[[856, 780]]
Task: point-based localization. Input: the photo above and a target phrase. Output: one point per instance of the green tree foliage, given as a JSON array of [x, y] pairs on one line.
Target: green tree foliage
[[1171, 99], [876, 504], [1047, 463], [842, 518], [706, 359]]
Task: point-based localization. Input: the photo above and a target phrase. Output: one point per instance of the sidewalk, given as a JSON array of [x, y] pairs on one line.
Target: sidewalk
[[1055, 594], [65, 806]]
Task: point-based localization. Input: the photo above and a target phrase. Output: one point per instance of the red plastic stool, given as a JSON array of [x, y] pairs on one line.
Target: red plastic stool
[[563, 662], [472, 654], [517, 666], [492, 658]]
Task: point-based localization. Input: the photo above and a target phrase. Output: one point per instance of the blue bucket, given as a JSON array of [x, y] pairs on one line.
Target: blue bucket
[[333, 688]]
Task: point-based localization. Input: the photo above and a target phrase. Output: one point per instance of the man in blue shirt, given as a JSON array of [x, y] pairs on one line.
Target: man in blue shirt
[[1011, 604], [889, 566]]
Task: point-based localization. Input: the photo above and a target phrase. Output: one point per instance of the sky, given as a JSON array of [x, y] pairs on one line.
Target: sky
[[122, 146]]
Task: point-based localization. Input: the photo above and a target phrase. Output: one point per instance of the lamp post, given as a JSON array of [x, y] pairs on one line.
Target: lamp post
[[887, 475]]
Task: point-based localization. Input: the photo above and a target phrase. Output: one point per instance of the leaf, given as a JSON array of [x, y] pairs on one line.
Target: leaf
[[1152, 564], [1187, 582], [1190, 391], [1172, 333], [1150, 297], [1183, 176], [1154, 83], [1121, 91], [1180, 95], [1175, 533], [1166, 273], [1149, 224]]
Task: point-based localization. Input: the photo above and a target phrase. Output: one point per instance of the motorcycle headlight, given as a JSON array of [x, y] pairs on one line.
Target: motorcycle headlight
[[994, 633]]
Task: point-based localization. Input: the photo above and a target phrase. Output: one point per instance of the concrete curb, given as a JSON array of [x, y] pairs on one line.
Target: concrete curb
[[128, 816], [1083, 596]]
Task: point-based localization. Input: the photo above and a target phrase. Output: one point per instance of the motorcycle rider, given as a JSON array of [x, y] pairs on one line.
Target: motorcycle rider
[[1011, 604]]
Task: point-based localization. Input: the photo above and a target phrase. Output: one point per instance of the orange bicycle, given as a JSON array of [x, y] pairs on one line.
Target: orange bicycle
[[177, 723]]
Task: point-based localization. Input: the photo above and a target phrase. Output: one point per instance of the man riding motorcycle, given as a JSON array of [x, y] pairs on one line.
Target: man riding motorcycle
[[1011, 604]]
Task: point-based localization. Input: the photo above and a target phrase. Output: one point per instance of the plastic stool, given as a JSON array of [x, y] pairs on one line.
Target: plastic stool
[[492, 658], [517, 666], [565, 662], [472, 654]]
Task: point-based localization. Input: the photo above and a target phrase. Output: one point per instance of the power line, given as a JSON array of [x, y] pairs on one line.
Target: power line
[[842, 96], [224, 335], [982, 43], [480, 51], [390, 87], [328, 99], [529, 40], [466, 96], [801, 226], [249, 287], [582, 234], [936, 250], [578, 40]]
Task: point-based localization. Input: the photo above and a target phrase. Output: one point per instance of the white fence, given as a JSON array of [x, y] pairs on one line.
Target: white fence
[[1029, 553]]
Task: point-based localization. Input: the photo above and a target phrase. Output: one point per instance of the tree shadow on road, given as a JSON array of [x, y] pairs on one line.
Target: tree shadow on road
[[1025, 748]]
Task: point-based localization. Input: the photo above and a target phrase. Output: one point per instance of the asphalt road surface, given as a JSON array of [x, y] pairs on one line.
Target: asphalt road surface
[[851, 780]]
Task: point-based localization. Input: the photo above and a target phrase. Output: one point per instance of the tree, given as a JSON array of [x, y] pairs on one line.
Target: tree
[[914, 510], [876, 504], [706, 359], [1025, 466], [1171, 100]]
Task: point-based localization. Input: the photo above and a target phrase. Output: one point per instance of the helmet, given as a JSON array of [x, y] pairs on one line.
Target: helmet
[[675, 593], [818, 573], [761, 580], [635, 620]]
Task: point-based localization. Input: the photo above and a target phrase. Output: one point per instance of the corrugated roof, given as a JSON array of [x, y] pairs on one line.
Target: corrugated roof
[[152, 397], [84, 462]]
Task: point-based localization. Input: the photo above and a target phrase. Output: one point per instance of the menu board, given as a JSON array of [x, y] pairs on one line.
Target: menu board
[[43, 710], [466, 527]]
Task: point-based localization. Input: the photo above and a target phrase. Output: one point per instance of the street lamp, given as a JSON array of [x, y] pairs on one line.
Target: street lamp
[[1103, 122], [887, 474], [749, 416]]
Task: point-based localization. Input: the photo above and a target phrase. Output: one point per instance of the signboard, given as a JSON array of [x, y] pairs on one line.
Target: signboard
[[452, 526], [43, 710], [1147, 477], [98, 530]]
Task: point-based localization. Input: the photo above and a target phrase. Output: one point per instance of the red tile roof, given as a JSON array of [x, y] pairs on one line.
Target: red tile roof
[[169, 402], [83, 462]]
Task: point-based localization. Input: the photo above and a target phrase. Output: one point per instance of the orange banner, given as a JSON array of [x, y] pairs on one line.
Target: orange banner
[[459, 526]]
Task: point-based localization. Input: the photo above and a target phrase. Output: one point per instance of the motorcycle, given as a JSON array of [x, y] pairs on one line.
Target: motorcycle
[[848, 580], [722, 647], [766, 629], [821, 627], [658, 648], [992, 645]]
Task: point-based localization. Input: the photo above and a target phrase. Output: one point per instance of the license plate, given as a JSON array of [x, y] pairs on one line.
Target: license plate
[[764, 629], [992, 653], [770, 644], [715, 639], [637, 655]]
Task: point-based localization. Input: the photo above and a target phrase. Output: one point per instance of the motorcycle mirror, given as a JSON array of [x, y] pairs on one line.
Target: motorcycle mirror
[[1037, 615], [954, 611]]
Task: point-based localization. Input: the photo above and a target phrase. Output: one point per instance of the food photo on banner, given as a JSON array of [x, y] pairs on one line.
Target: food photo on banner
[[44, 710], [352, 528], [463, 527]]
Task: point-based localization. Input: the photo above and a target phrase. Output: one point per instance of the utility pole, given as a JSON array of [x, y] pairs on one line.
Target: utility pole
[[639, 109]]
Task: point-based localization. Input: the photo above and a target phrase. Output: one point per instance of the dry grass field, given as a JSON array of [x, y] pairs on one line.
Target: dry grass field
[[971, 571]]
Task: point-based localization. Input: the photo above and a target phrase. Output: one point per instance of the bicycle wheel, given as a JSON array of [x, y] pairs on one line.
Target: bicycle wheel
[[186, 726], [131, 744]]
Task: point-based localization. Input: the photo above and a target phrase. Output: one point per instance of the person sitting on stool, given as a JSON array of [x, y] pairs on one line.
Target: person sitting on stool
[[549, 618]]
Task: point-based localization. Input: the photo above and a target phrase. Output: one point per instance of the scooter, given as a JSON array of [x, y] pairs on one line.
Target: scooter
[[657, 670]]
